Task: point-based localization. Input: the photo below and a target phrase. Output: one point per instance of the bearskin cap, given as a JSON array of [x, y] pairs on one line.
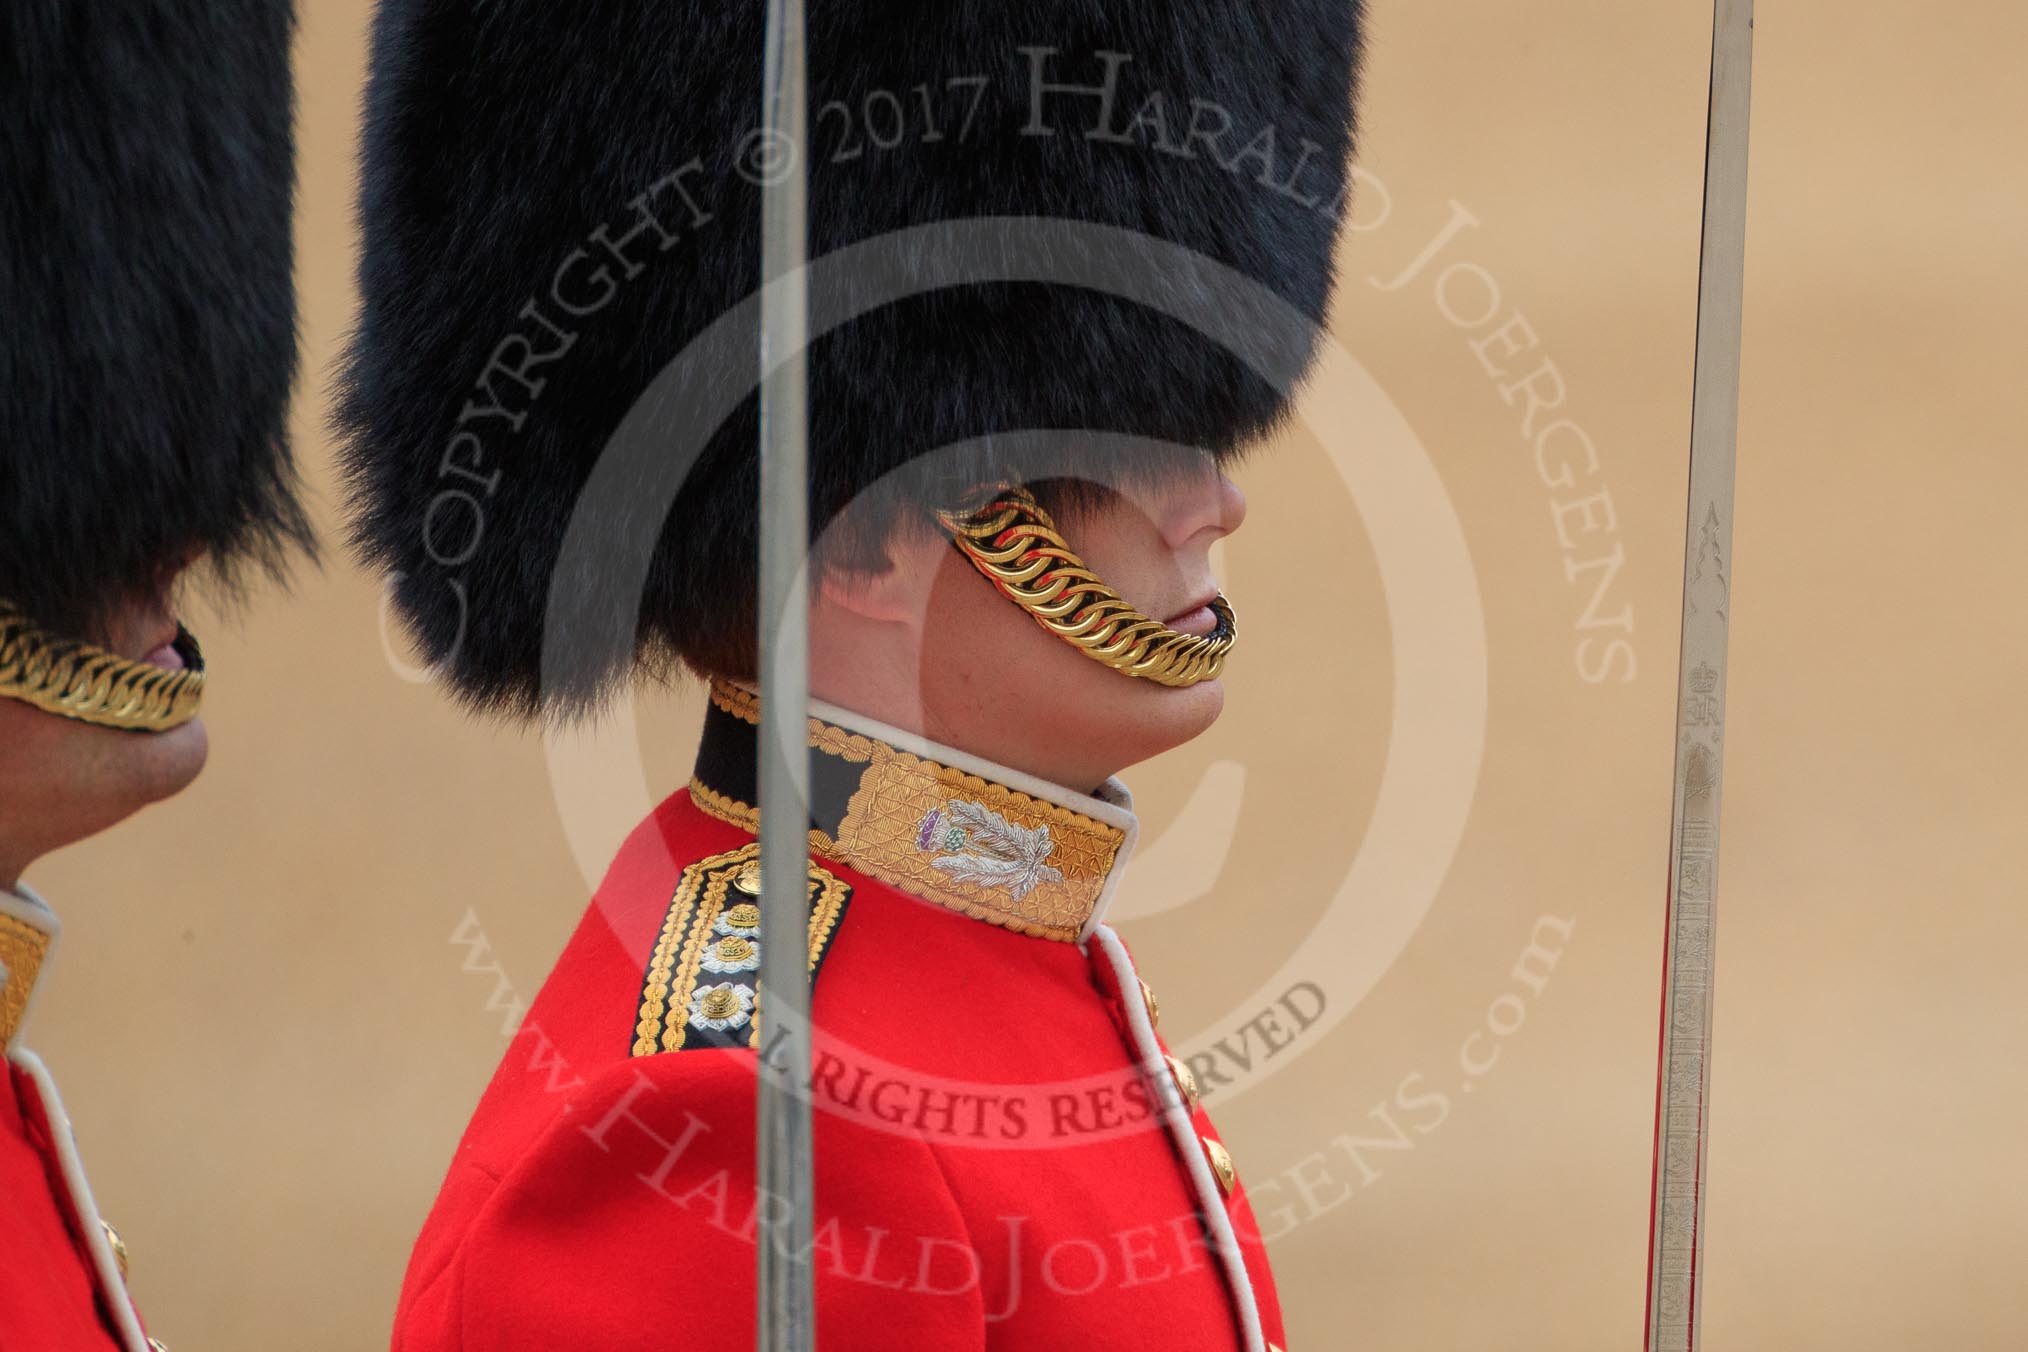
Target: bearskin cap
[[560, 216], [148, 344]]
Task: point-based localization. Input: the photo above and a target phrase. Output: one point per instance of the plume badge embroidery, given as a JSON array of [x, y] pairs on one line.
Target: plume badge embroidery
[[981, 846]]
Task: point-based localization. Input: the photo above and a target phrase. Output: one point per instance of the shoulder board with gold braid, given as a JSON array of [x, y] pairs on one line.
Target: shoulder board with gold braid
[[701, 988]]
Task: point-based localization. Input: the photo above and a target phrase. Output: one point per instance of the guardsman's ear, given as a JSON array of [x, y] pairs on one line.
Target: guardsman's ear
[[889, 584], [880, 567]]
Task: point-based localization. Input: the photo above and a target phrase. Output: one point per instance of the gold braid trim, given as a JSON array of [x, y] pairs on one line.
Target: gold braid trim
[[702, 894], [85, 682], [1015, 544], [724, 807], [744, 705], [736, 700], [744, 815]]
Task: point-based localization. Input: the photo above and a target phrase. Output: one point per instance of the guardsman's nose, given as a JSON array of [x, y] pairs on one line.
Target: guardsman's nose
[[1211, 506]]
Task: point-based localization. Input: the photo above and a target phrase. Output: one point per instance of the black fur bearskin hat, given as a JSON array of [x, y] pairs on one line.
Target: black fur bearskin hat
[[147, 303], [1115, 218]]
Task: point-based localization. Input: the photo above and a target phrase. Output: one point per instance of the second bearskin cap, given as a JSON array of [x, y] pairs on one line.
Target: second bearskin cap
[[147, 301]]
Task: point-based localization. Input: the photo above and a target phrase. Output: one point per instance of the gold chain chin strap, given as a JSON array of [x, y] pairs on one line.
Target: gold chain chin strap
[[1013, 541], [77, 680]]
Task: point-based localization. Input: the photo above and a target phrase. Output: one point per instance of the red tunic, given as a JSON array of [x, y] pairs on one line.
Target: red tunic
[[60, 1285], [1004, 1158]]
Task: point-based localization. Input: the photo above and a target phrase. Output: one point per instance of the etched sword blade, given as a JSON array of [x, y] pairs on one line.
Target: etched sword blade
[[784, 1287], [1676, 1215]]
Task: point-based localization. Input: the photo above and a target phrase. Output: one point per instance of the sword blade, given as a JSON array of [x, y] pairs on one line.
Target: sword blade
[[1676, 1215], [786, 1293]]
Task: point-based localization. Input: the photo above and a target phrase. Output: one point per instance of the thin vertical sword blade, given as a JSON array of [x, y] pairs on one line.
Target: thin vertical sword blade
[[785, 1291], [1683, 1081]]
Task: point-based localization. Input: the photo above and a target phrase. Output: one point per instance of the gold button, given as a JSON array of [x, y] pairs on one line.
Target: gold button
[[748, 880], [1185, 1081], [119, 1246], [1154, 1005], [1221, 1164]]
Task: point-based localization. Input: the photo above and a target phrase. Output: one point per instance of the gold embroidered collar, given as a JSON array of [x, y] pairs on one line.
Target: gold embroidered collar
[[27, 937], [977, 838]]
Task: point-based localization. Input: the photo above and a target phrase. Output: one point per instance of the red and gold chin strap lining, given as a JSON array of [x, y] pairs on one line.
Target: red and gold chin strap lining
[[78, 680], [1012, 540]]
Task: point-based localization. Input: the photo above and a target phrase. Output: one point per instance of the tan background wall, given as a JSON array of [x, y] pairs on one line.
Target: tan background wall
[[270, 1042]]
